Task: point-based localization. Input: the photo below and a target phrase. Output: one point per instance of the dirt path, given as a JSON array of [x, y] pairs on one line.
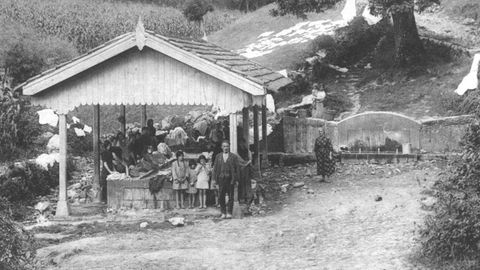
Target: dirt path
[[353, 231]]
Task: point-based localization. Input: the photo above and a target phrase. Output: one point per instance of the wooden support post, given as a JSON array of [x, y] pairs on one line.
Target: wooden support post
[[123, 114], [264, 137], [233, 133], [246, 127], [96, 152], [62, 204], [256, 143], [144, 115], [246, 187]]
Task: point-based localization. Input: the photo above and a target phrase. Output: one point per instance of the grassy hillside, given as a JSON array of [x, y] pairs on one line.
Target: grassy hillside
[[89, 23], [463, 8], [246, 30]]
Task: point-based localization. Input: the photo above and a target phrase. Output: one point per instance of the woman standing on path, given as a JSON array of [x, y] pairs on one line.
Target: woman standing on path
[[324, 153]]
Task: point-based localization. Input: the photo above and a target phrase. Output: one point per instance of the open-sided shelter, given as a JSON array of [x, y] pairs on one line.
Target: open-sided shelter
[[144, 68]]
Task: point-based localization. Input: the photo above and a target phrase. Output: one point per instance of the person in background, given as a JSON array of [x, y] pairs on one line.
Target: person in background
[[152, 132], [119, 163], [203, 172], [226, 173], [324, 154], [192, 181], [107, 168], [151, 129], [226, 130], [180, 173]]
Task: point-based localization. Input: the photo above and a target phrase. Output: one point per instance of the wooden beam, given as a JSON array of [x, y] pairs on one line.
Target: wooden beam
[[144, 115], [233, 133], [246, 127], [256, 143], [264, 137], [62, 204], [96, 152], [123, 114]]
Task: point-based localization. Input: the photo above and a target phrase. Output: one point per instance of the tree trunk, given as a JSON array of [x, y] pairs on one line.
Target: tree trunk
[[409, 49]]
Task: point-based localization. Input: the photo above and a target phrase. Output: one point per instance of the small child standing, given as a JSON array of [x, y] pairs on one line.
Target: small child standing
[[180, 175], [192, 190], [202, 171]]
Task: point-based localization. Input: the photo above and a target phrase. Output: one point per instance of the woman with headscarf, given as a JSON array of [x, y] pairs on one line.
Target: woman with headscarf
[[324, 153]]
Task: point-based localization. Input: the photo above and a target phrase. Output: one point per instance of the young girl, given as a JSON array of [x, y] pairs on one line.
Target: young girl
[[202, 171], [180, 174], [192, 183]]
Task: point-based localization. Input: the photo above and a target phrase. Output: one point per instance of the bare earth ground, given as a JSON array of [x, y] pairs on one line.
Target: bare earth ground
[[352, 229]]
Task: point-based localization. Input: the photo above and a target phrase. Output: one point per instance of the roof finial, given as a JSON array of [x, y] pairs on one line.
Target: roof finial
[[140, 34]]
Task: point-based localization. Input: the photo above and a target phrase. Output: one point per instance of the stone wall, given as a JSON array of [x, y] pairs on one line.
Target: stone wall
[[135, 194], [373, 131], [444, 134]]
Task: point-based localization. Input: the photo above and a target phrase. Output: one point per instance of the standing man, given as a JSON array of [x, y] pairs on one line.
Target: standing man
[[225, 174]]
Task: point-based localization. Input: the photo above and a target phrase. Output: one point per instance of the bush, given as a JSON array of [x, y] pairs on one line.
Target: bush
[[357, 40], [17, 249], [25, 184], [18, 125], [79, 146], [337, 102], [452, 232]]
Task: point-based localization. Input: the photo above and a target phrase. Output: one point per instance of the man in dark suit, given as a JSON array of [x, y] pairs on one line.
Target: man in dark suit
[[225, 173]]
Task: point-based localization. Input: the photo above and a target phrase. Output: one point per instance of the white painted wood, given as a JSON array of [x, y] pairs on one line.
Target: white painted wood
[[78, 66], [233, 133], [134, 78], [129, 41], [62, 205]]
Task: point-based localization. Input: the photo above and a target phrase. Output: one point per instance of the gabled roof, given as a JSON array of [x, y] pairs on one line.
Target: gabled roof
[[207, 57]]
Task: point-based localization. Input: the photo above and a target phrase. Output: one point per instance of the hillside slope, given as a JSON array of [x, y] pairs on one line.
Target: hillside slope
[[248, 30], [425, 95]]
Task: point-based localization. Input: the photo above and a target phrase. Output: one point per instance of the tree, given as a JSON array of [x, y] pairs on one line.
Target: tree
[[195, 10], [409, 49]]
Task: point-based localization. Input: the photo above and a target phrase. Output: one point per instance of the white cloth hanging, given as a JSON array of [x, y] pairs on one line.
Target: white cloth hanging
[[470, 81], [270, 103], [87, 129], [371, 19], [79, 132], [47, 116], [46, 160], [349, 11]]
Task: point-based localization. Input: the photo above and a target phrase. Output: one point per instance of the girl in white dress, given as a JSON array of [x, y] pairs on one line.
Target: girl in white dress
[[203, 171]]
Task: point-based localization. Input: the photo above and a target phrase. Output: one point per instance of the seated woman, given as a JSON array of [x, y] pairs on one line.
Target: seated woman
[[119, 163]]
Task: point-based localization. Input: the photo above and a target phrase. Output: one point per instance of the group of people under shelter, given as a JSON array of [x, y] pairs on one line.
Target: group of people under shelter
[[215, 171]]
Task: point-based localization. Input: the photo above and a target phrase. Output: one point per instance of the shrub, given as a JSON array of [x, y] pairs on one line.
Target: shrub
[[337, 102], [79, 146], [18, 125], [17, 249], [25, 184], [452, 232]]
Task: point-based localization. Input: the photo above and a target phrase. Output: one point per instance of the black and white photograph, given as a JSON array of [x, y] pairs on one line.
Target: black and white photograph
[[239, 134]]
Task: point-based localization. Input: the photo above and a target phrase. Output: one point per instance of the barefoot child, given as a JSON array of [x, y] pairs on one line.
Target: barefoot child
[[179, 175], [192, 190], [203, 176]]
